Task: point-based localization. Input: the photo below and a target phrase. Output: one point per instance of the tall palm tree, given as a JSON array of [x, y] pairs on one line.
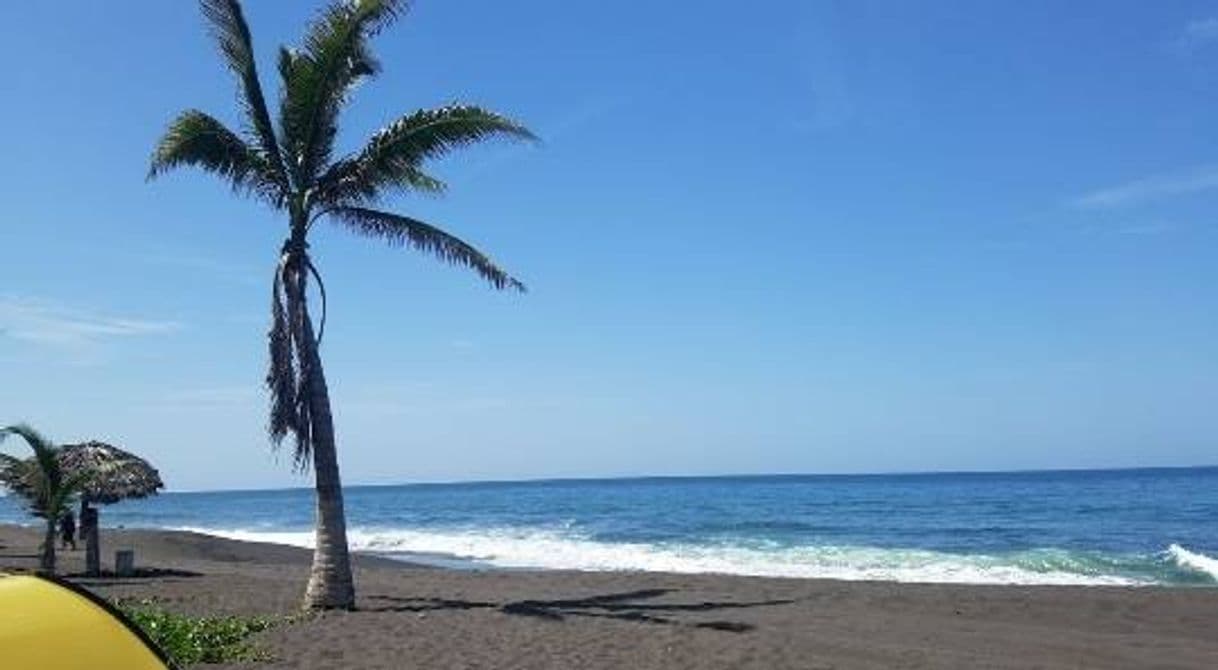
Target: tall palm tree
[[48, 489], [290, 166]]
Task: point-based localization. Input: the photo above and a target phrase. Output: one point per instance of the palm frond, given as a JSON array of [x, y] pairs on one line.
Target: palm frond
[[36, 441], [60, 499], [318, 78], [352, 182], [13, 471], [290, 375], [75, 482], [227, 24], [38, 479], [394, 155], [47, 481], [281, 373], [199, 140], [8, 462], [403, 230], [25, 480]]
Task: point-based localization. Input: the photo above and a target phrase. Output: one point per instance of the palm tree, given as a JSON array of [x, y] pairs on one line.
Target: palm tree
[[48, 489], [290, 166]]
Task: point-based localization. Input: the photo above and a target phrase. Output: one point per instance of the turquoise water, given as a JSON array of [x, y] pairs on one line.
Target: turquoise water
[[1079, 527]]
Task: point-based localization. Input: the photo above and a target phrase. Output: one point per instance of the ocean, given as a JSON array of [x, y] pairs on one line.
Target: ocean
[[1133, 527]]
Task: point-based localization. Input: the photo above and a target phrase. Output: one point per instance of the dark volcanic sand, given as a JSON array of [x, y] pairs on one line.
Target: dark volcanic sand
[[412, 617]]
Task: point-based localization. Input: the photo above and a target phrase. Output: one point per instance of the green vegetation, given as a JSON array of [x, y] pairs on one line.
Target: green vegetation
[[46, 487], [292, 164], [188, 640]]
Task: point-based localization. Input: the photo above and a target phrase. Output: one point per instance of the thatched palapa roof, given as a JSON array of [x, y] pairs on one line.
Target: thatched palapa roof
[[123, 475]]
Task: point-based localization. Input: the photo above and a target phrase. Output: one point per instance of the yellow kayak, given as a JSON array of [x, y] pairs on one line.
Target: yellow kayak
[[51, 625]]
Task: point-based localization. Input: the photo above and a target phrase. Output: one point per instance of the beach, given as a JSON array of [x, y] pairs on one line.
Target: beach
[[426, 617], [822, 335]]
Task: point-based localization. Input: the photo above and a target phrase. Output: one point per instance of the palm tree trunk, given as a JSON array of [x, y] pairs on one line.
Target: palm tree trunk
[[46, 562], [330, 583]]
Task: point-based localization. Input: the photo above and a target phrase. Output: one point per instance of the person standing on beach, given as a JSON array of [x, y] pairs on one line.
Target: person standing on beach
[[67, 530]]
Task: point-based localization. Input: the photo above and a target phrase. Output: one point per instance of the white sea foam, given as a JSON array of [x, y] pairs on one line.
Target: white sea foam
[[1193, 561], [543, 549]]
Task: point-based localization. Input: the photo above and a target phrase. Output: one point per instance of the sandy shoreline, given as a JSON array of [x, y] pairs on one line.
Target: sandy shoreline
[[413, 616]]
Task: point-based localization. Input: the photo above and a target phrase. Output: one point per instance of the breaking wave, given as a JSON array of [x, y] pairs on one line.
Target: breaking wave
[[526, 548], [1193, 561]]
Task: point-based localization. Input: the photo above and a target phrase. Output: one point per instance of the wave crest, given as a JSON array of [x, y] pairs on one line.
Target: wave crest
[[1189, 560], [559, 550]]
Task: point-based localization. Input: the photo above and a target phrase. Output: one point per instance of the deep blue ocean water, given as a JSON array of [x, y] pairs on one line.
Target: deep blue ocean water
[[1154, 526]]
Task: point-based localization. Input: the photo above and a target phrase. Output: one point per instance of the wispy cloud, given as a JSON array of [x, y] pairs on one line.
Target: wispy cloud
[[44, 322], [1151, 188], [1198, 32]]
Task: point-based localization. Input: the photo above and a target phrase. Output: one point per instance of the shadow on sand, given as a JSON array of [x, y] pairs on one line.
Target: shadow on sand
[[34, 556], [620, 606], [109, 578]]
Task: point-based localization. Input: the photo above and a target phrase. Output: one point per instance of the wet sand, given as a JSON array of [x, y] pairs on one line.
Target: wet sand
[[411, 616]]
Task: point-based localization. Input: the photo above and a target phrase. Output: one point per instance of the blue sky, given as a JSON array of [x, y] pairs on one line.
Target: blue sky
[[802, 237]]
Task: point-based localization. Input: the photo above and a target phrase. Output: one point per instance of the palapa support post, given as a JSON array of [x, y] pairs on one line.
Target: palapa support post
[[88, 526]]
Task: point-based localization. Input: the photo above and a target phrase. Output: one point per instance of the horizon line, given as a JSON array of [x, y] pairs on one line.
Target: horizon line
[[759, 475]]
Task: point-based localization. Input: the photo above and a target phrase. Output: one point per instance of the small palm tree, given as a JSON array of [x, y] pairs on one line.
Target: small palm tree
[[48, 489], [291, 166]]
